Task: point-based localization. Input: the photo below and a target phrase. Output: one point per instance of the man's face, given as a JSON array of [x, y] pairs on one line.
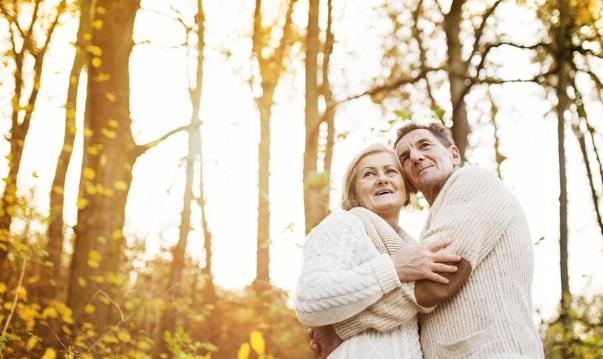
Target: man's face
[[427, 164]]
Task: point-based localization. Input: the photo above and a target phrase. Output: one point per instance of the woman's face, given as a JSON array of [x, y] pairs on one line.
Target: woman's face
[[380, 186]]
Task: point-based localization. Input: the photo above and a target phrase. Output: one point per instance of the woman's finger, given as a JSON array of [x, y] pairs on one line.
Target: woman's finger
[[445, 268], [437, 245], [434, 277], [445, 258]]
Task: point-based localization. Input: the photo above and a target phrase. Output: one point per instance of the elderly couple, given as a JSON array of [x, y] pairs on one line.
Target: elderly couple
[[366, 287]]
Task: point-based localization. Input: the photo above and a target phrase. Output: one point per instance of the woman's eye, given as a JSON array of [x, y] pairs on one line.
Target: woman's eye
[[367, 174], [391, 171]]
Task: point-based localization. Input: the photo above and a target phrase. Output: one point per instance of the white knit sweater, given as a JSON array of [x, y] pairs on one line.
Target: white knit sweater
[[342, 275], [491, 316]]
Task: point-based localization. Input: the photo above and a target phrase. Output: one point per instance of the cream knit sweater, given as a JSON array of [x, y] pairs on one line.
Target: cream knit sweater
[[491, 316], [344, 274]]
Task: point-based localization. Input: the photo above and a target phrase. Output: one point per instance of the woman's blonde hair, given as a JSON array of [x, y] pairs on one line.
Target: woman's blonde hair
[[349, 199]]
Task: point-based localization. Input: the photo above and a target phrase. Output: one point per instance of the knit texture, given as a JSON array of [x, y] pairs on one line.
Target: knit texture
[[491, 316], [343, 274], [391, 310]]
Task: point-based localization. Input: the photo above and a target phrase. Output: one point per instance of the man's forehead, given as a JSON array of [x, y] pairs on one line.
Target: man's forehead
[[414, 137]]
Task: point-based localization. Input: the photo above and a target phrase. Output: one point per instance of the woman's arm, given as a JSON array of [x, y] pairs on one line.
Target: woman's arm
[[342, 272]]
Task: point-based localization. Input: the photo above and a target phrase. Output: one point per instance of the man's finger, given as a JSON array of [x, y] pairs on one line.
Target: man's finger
[[310, 334]]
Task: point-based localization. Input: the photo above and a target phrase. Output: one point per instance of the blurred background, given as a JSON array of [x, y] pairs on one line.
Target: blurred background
[[163, 160]]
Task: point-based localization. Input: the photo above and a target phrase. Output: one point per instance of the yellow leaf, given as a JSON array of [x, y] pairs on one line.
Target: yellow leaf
[[257, 342], [101, 10], [110, 338], [102, 77], [94, 50], [89, 173], [129, 305], [244, 351], [113, 123], [104, 299], [81, 281], [49, 312], [114, 278], [82, 203], [96, 62], [87, 36], [99, 279], [97, 24], [2, 288], [101, 240], [31, 342], [94, 258], [49, 354], [57, 189], [117, 234], [108, 133], [120, 185], [87, 132], [89, 309], [111, 97], [124, 336], [71, 113], [143, 345], [66, 330], [22, 293], [92, 150]]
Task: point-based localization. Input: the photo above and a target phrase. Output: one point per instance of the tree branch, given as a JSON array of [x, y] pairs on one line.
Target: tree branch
[[393, 85], [141, 149], [480, 31]]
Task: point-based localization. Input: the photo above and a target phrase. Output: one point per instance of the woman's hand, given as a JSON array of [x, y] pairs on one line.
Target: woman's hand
[[422, 262]]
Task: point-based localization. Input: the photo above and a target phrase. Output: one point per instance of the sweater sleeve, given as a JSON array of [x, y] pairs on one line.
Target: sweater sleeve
[[474, 211], [342, 272]]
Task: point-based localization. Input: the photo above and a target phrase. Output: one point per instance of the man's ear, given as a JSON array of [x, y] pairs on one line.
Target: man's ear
[[456, 155]]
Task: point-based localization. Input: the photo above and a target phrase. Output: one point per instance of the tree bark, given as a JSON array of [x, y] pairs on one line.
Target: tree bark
[[20, 124], [54, 246], [270, 71], [109, 155], [456, 65]]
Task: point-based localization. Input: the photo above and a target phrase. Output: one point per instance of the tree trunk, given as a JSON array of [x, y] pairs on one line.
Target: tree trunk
[[20, 127], [456, 68], [110, 153], [270, 70], [313, 206], [54, 246], [561, 108]]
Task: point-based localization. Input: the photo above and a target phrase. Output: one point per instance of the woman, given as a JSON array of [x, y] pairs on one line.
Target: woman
[[348, 279]]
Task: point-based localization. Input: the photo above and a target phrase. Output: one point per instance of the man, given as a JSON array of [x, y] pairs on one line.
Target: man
[[491, 316]]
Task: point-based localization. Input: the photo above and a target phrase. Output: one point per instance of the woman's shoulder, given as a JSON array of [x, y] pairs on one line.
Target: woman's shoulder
[[338, 222]]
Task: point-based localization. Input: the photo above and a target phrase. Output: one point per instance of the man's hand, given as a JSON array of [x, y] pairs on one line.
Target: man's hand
[[422, 262], [323, 340]]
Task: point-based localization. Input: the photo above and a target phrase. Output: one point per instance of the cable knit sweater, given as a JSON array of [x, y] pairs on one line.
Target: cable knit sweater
[[491, 316], [344, 274]]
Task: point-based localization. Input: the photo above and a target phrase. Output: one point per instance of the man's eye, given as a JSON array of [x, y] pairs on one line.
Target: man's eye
[[425, 146], [403, 159]]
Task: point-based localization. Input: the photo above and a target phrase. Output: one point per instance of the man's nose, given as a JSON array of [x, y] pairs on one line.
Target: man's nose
[[416, 155]]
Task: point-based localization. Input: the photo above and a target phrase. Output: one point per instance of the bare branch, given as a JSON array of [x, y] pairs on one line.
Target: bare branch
[[141, 149], [394, 85], [12, 19], [587, 52], [480, 31]]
